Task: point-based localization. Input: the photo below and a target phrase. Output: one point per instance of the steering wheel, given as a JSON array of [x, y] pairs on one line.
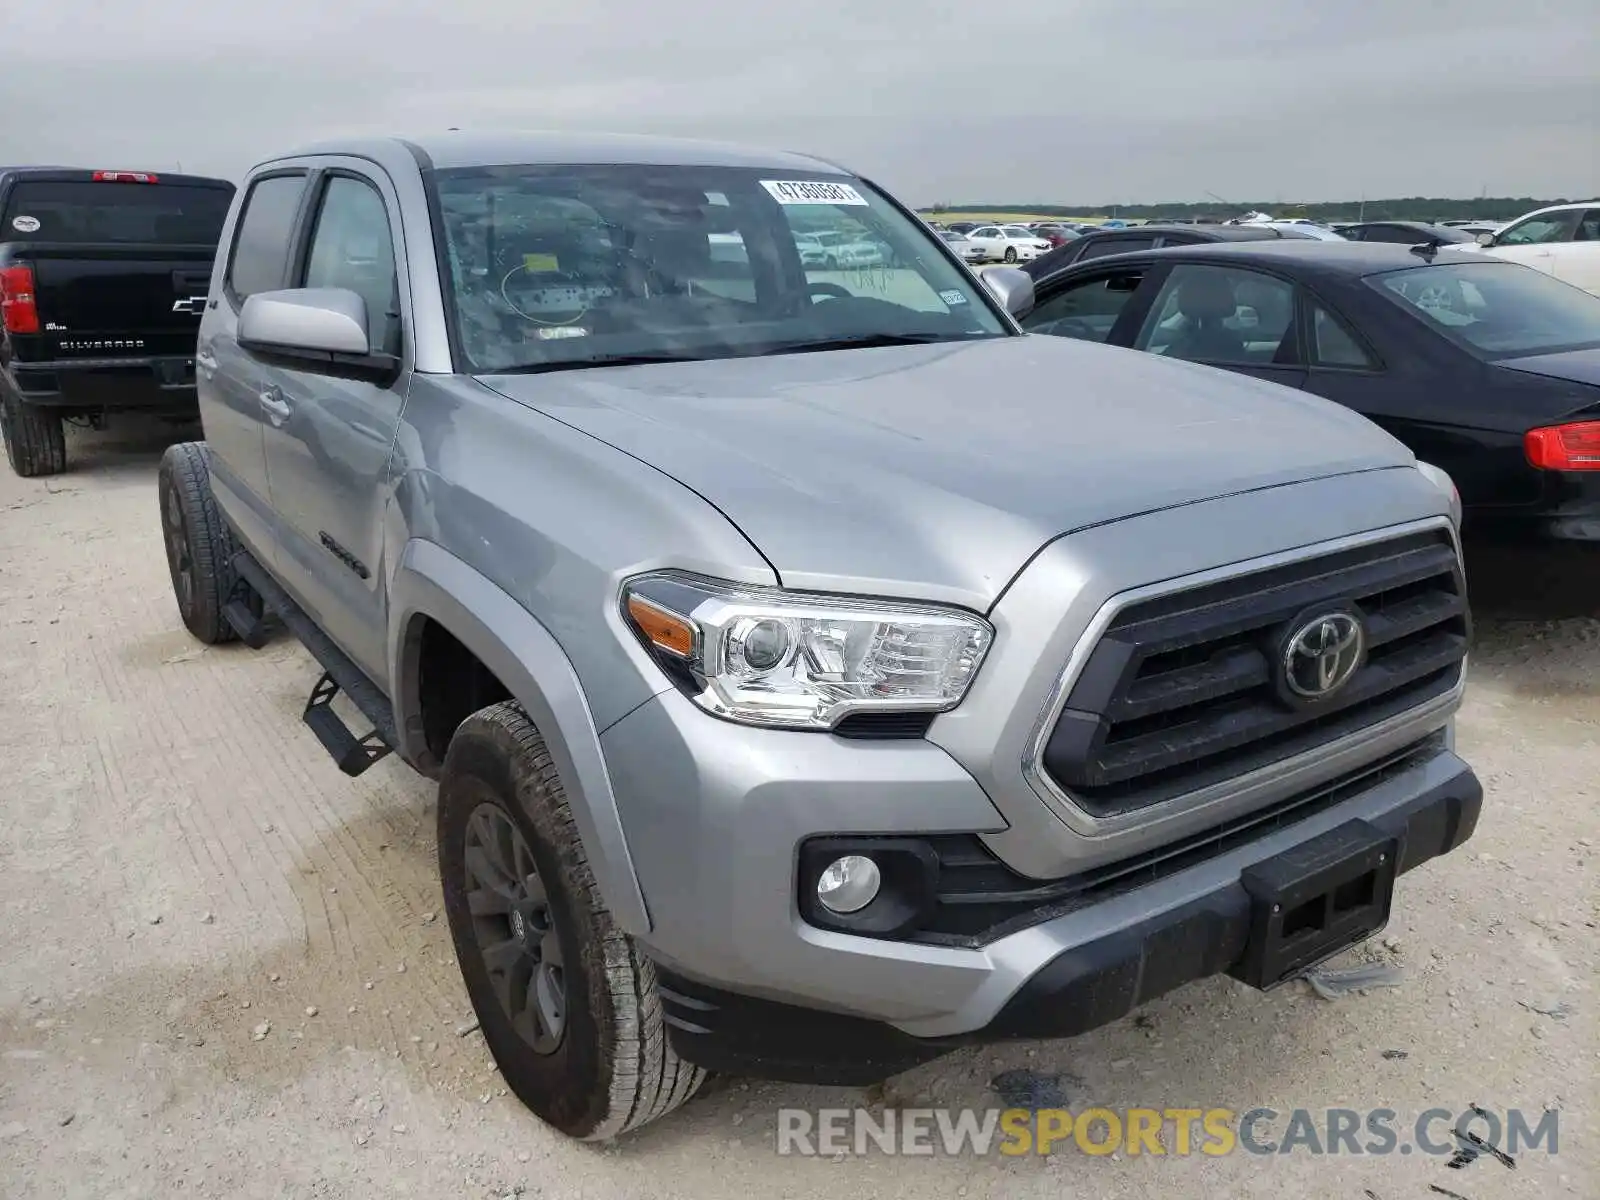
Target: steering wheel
[[823, 288]]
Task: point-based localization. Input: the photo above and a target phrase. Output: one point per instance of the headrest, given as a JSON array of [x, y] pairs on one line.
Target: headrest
[[677, 253], [1206, 297]]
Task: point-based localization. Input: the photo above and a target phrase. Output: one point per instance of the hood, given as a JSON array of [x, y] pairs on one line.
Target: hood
[[937, 471], [1573, 366]]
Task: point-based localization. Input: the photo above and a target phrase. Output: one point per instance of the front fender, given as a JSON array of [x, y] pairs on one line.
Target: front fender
[[430, 582]]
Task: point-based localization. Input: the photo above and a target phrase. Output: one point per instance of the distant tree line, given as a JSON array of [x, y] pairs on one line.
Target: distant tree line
[[1410, 208]]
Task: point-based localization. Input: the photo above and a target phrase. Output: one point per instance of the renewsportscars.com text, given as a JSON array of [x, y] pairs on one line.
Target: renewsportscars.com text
[[1177, 1132]]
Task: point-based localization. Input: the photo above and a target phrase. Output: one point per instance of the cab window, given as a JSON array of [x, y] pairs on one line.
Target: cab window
[[352, 248], [261, 244], [1536, 231]]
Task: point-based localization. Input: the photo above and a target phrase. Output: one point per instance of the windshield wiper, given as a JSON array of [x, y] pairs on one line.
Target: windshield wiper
[[596, 360], [868, 340]]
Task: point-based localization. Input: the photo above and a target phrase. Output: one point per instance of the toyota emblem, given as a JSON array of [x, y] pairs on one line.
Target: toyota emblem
[[1322, 654]]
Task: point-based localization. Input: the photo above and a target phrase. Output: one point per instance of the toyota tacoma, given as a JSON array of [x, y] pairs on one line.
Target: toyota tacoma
[[819, 673]]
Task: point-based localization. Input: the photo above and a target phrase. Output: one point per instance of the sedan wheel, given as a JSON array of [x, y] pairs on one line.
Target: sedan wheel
[[1011, 254]]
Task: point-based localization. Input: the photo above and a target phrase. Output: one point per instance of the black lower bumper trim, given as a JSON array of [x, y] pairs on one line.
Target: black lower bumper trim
[[1078, 990]]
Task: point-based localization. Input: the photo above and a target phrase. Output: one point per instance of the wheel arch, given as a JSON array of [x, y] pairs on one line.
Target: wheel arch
[[432, 587]]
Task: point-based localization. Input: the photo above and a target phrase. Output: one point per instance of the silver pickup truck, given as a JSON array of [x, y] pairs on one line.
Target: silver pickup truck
[[819, 673]]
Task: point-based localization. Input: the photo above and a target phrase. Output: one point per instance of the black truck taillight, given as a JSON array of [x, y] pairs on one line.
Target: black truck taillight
[[18, 312]]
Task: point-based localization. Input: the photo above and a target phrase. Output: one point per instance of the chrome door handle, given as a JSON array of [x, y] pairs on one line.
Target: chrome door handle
[[277, 407]]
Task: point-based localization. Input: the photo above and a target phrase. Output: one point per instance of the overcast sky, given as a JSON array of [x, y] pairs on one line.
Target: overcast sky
[[1030, 100]]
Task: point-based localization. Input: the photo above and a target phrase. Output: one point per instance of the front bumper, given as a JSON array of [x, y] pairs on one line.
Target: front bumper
[[749, 987]]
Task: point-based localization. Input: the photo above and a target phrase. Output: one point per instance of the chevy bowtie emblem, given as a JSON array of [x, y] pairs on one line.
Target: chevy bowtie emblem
[[194, 304]]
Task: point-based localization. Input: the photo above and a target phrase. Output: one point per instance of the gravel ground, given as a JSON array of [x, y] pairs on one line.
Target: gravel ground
[[222, 972]]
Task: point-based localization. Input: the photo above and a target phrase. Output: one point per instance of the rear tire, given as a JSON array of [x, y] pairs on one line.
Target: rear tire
[[200, 546], [565, 1000], [36, 443]]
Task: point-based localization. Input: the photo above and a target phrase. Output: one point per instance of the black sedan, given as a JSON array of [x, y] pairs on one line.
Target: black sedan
[[1485, 368], [1405, 233], [1104, 242]]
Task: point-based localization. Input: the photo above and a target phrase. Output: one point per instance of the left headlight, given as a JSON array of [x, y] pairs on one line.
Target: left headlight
[[802, 661], [1441, 480]]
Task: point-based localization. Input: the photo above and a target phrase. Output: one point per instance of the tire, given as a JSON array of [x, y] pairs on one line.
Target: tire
[[36, 443], [607, 1068], [199, 544], [1011, 254]]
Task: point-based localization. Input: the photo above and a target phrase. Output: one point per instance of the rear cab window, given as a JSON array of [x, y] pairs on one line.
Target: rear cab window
[[1496, 310], [260, 256], [87, 212]]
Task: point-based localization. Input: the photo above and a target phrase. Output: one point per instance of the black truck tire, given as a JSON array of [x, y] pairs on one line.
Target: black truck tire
[[534, 915], [200, 546], [36, 443]]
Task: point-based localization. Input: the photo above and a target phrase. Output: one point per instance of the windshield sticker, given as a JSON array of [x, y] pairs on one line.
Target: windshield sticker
[[25, 224], [550, 332], [799, 191], [953, 297], [540, 262]]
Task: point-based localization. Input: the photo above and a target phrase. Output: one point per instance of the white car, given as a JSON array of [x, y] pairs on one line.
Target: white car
[[835, 250], [1007, 243], [966, 249], [1562, 240]]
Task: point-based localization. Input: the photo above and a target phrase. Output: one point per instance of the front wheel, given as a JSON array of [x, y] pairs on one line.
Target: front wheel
[[1011, 254], [566, 1002], [36, 443]]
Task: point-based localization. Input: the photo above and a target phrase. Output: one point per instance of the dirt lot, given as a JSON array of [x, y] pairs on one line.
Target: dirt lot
[[222, 973]]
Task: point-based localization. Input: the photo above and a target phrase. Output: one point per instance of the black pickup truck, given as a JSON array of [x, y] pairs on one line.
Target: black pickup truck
[[103, 277]]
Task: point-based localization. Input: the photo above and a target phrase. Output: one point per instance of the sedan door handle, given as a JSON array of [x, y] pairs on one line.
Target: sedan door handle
[[278, 409]]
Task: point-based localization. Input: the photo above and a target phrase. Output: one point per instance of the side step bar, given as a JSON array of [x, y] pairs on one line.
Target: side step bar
[[354, 755]]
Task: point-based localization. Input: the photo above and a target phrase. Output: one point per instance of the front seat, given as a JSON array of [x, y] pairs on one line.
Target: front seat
[[1206, 301]]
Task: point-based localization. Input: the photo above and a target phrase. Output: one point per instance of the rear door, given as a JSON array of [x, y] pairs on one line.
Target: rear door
[[1227, 316], [328, 437], [229, 381]]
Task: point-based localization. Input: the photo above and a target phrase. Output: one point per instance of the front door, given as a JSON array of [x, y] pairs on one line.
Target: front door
[[1532, 240], [328, 438]]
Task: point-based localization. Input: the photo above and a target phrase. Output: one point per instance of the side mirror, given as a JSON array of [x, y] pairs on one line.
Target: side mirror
[[1485, 239], [314, 329], [1013, 288]]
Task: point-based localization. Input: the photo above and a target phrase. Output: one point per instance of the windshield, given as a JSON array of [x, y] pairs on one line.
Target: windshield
[[1498, 310], [570, 265], [86, 213], [1017, 231]]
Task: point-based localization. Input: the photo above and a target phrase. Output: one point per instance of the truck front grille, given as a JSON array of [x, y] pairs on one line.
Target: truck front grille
[[1185, 690]]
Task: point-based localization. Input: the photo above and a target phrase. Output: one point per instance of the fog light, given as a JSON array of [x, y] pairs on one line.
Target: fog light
[[849, 884]]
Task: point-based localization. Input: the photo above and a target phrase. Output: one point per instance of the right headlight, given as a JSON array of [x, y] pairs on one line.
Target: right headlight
[[799, 660]]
